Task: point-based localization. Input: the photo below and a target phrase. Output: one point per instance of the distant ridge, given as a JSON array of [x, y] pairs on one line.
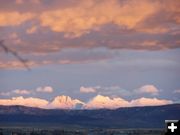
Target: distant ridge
[[97, 102], [128, 117]]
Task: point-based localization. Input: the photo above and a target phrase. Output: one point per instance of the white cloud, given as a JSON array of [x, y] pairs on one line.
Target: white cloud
[[150, 89], [87, 89], [46, 89], [21, 92]]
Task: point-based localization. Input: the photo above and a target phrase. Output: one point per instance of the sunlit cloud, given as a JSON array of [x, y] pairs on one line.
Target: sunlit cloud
[[149, 89], [14, 18], [130, 24], [82, 21]]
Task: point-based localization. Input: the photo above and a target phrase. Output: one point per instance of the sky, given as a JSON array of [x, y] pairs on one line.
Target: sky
[[98, 53]]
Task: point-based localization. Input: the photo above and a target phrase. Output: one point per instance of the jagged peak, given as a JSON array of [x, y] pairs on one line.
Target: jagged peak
[[65, 102]]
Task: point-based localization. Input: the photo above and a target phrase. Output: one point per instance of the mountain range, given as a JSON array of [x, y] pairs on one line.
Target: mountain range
[[97, 102], [127, 117]]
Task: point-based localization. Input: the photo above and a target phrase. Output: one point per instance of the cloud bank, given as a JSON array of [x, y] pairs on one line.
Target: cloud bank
[[148, 89], [86, 25], [45, 89]]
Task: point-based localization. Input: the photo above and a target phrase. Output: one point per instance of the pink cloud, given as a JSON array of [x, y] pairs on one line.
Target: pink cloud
[[151, 89], [68, 25], [14, 18]]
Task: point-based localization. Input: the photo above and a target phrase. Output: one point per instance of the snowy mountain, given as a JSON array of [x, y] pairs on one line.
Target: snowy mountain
[[65, 102]]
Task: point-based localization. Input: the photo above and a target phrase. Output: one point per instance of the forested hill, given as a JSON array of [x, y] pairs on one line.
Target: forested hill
[[132, 117]]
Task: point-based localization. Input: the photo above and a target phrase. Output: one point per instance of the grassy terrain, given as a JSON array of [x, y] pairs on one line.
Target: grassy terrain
[[59, 130]]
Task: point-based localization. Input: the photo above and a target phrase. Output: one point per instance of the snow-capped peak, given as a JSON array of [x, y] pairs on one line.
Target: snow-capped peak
[[65, 102]]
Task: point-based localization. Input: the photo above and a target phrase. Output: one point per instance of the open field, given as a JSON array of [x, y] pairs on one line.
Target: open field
[[76, 131]]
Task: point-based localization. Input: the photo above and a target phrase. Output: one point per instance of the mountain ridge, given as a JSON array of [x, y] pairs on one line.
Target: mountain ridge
[[97, 102], [126, 117]]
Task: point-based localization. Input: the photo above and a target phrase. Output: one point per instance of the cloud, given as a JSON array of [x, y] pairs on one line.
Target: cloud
[[100, 102], [46, 89], [21, 92], [19, 1], [17, 91], [76, 25], [149, 89], [87, 89], [31, 102], [146, 90], [78, 20], [14, 18], [31, 1], [112, 90]]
